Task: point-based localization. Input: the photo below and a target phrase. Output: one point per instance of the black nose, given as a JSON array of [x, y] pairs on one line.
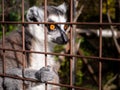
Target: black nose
[[63, 39]]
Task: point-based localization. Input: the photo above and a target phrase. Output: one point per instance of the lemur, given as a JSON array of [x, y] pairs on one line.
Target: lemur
[[34, 41]]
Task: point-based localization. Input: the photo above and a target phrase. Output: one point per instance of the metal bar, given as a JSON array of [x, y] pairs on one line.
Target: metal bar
[[23, 43], [34, 80], [71, 44], [70, 23], [3, 42], [100, 49], [45, 33], [100, 63], [3, 37], [67, 55], [69, 86], [23, 34], [74, 43]]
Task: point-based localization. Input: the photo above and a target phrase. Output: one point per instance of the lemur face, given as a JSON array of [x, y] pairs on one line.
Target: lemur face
[[55, 32]]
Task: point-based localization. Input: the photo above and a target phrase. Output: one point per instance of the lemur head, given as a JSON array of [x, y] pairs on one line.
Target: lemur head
[[55, 32]]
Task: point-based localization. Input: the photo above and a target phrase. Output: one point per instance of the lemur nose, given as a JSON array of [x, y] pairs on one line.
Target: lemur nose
[[65, 38]]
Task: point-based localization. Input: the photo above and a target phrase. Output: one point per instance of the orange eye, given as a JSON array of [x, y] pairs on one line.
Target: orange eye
[[66, 27], [52, 27]]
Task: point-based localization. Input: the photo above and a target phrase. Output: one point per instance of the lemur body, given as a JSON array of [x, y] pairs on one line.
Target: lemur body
[[34, 41]]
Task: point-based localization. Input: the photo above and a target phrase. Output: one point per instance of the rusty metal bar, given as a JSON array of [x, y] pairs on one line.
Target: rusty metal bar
[[45, 35], [70, 23], [3, 37], [34, 80], [69, 86], [74, 43], [23, 43], [3, 42], [100, 49], [67, 55], [45, 31], [23, 34], [71, 44]]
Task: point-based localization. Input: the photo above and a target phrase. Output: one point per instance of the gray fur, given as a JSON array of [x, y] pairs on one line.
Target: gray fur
[[14, 60], [39, 14], [1, 83], [45, 74], [12, 84]]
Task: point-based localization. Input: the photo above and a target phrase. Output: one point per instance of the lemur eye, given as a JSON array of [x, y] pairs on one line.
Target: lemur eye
[[66, 27], [52, 27]]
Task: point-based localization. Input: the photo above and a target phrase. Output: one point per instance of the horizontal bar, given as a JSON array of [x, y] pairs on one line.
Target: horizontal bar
[[20, 78], [34, 80], [68, 86], [59, 54], [70, 23]]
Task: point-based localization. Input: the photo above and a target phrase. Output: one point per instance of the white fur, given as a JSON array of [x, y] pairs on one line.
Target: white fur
[[38, 60], [38, 44], [58, 19], [63, 7]]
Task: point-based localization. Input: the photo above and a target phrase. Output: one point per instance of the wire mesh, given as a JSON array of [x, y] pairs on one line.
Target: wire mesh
[[71, 55]]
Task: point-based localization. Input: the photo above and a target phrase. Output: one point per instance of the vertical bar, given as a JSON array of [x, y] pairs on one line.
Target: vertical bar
[[3, 42], [3, 36], [71, 42], [23, 42], [23, 34], [45, 33], [74, 44], [100, 49]]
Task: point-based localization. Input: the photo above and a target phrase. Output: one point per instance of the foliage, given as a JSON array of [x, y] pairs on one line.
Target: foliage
[[110, 4]]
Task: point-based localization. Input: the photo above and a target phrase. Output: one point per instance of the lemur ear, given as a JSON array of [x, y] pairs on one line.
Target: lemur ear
[[63, 7], [34, 14]]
